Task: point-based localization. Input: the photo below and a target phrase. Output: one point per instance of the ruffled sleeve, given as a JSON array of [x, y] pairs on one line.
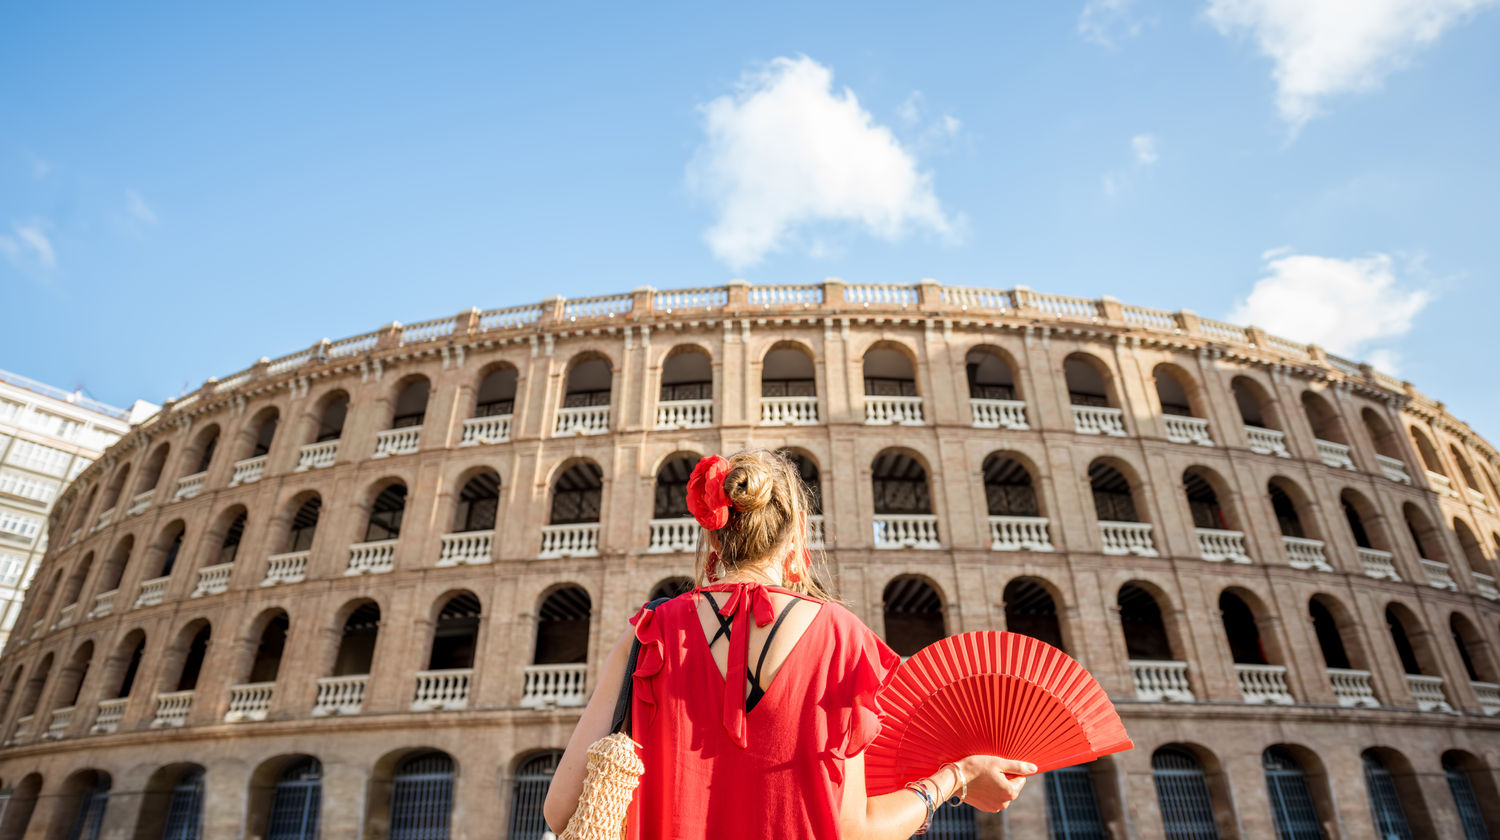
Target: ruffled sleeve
[[648, 661], [871, 666]]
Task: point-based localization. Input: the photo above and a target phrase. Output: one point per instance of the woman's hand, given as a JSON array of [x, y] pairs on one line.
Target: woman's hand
[[994, 782]]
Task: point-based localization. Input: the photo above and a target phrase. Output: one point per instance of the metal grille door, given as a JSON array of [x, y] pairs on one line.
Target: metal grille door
[[1291, 800], [422, 798], [1072, 809], [1467, 803], [530, 791], [90, 814], [296, 802], [185, 809], [1385, 804], [950, 823], [1187, 811]]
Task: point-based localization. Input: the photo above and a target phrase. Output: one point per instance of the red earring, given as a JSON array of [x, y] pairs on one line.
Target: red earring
[[790, 572]]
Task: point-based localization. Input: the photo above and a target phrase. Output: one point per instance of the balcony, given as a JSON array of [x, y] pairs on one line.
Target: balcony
[[442, 690], [23, 727], [317, 455], [789, 411], [340, 695], [286, 568], [582, 420], [104, 603], [1302, 553], [105, 517], [1335, 455], [684, 414], [1485, 585], [673, 536], [152, 592], [108, 718], [1438, 575], [1267, 441], [212, 580], [1476, 498], [1429, 693], [579, 539], [549, 686], [1127, 538], [893, 411], [1161, 681], [140, 502], [172, 708], [189, 486], [249, 470], [817, 537], [1097, 420], [1264, 684], [1019, 533], [1489, 697], [65, 616], [1377, 564], [470, 548], [910, 530], [998, 414], [249, 701], [402, 441], [58, 723], [1393, 468], [484, 430], [1187, 429], [1352, 688], [36, 628], [1218, 546], [1441, 484], [371, 558]]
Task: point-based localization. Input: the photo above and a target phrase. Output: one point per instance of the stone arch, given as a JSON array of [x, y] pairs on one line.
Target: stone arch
[[577, 492], [257, 436], [670, 487], [1242, 613], [15, 821], [788, 369], [687, 373], [200, 454], [1385, 439], [1473, 650], [1116, 489], [588, 380], [73, 589], [1366, 524], [1258, 409], [31, 695], [1193, 791], [1412, 641], [358, 624], [1009, 485], [1149, 635], [296, 526], [455, 631], [1474, 793], [915, 613], [115, 489], [409, 400], [226, 534], [81, 805], [1031, 610], [1292, 508], [402, 778], [327, 418], [1178, 392], [1470, 546], [1430, 460], [992, 373], [1089, 381], [263, 646], [532, 774], [495, 390], [114, 567], [670, 587], [385, 509], [1337, 632], [71, 678], [1464, 469], [904, 511], [166, 551], [1323, 418], [1391, 779], [1210, 499], [285, 791], [1428, 542], [151, 469], [563, 624], [123, 667], [1300, 793], [183, 661], [172, 803], [477, 504]]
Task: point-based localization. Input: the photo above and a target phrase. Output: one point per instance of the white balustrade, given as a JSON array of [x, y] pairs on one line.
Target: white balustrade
[[482, 430], [805, 295], [711, 298], [1441, 484], [66, 615], [314, 456], [340, 695], [966, 298], [579, 539], [1334, 454], [1438, 574], [1489, 697], [140, 502], [189, 486], [583, 420], [1476, 498], [1485, 585], [1187, 429], [911, 530], [510, 317], [1393, 468], [172, 708], [548, 686], [1219, 546], [439, 690], [212, 580], [104, 604], [402, 441], [1352, 688], [998, 414], [108, 718], [673, 536], [249, 701], [1161, 680], [286, 568], [1019, 533], [880, 293], [372, 558], [152, 592], [1377, 564], [1267, 441], [1264, 684], [601, 306], [1428, 692], [1303, 553], [1127, 538], [105, 517], [684, 414], [1098, 420], [466, 548], [788, 411], [817, 536], [23, 728], [36, 628], [893, 411], [249, 470], [58, 723]]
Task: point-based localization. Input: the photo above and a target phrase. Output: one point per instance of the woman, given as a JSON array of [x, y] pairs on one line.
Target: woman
[[772, 749]]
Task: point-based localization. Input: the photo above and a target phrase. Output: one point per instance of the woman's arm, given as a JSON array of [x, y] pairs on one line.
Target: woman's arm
[[993, 783], [567, 782]]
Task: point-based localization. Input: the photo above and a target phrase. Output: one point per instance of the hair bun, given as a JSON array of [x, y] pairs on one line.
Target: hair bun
[[749, 486]]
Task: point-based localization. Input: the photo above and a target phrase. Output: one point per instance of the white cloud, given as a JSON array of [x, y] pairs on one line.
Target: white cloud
[[1144, 146], [1344, 306], [1107, 22], [1144, 155], [785, 152], [138, 208], [28, 247], [1326, 47]]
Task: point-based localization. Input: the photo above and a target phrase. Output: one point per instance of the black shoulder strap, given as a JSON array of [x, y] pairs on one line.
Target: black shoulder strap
[[621, 722]]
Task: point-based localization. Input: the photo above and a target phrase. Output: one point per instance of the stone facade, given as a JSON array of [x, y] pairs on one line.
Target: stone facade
[[67, 732]]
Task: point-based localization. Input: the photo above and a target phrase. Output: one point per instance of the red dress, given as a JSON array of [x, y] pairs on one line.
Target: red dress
[[775, 771]]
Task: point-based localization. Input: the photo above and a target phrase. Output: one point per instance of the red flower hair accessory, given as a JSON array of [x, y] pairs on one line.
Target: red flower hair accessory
[[706, 499]]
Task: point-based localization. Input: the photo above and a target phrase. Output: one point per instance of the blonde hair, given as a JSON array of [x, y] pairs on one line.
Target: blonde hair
[[768, 522]]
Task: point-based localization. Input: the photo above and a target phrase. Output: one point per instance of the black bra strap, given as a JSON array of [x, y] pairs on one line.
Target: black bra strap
[[760, 663], [724, 621]]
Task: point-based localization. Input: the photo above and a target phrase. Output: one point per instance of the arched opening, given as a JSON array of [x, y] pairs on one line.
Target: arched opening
[[1293, 808], [1257, 408], [903, 502], [1474, 794], [671, 587], [990, 374], [529, 793], [1330, 639], [1345, 664], [1241, 631], [1121, 530], [233, 532], [478, 504], [151, 471], [914, 614], [788, 387], [1157, 673], [1030, 611], [586, 396], [891, 393], [172, 804], [74, 587], [687, 390], [1218, 534], [201, 455], [85, 795], [1429, 545], [113, 492], [190, 651], [1361, 517], [562, 627], [1430, 460], [1323, 419], [1473, 650], [127, 663], [113, 570], [264, 432], [266, 663], [1470, 481], [496, 396], [304, 525], [1393, 790], [422, 797], [1073, 803], [1177, 394], [1015, 519], [673, 528], [1256, 660], [361, 630], [1419, 660], [15, 817], [168, 547], [807, 470], [1182, 790], [455, 634], [573, 521], [70, 682], [1470, 545], [332, 411], [386, 513], [410, 407], [32, 694], [1387, 446], [285, 799], [1396, 619], [1096, 410]]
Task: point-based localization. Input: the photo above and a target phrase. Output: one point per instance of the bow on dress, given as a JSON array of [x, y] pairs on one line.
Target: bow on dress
[[746, 601]]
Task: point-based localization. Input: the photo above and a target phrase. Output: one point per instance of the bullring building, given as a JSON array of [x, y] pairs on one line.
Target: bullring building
[[362, 591]]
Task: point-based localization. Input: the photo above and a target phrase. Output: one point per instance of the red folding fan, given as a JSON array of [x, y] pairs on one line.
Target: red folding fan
[[990, 693]]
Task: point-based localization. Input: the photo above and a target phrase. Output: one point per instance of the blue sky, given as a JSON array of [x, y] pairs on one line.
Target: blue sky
[[184, 190]]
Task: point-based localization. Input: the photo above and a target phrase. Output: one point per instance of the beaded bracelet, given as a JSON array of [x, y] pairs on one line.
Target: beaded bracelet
[[927, 800]]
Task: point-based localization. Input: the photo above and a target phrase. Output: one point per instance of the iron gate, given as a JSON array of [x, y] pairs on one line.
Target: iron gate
[[422, 798], [1467, 803], [90, 813], [528, 794], [1291, 800], [296, 801], [951, 823], [1385, 804], [1072, 809], [185, 809], [1187, 811]]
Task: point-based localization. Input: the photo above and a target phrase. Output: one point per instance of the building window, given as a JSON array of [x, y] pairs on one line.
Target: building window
[[185, 808], [296, 801], [42, 459], [530, 791], [422, 798], [1072, 808], [27, 486], [1187, 811], [1291, 799], [22, 526]]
